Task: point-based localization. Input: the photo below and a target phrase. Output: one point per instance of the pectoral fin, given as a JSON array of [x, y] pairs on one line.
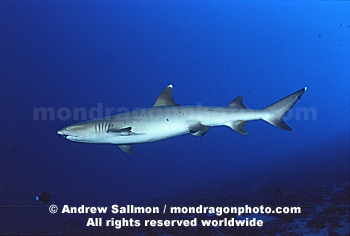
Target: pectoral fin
[[122, 132], [127, 148]]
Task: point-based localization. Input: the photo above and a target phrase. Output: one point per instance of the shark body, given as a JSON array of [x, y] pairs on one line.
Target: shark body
[[166, 119]]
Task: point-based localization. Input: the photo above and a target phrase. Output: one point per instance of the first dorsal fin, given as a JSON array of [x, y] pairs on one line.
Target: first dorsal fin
[[165, 98], [237, 102]]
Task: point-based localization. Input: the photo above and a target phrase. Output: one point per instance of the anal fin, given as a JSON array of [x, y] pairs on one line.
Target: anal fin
[[238, 126]]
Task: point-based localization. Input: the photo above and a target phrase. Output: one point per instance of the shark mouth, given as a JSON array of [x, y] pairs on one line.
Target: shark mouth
[[64, 135], [69, 137]]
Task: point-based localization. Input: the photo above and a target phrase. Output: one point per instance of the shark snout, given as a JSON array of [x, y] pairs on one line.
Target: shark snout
[[60, 132], [65, 133]]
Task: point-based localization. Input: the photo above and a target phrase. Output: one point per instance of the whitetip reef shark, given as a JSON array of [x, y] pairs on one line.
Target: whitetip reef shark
[[166, 119]]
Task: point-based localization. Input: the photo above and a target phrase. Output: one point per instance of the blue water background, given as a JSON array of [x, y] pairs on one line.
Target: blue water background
[[121, 54]]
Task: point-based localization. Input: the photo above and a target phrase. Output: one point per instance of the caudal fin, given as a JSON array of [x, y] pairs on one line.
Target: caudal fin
[[275, 112]]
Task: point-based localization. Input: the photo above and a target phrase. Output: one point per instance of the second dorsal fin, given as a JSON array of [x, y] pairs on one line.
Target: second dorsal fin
[[237, 102], [165, 98]]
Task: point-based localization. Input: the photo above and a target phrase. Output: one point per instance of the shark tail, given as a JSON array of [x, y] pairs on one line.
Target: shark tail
[[275, 112]]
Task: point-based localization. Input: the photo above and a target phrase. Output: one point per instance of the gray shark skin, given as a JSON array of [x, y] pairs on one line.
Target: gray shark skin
[[166, 119]]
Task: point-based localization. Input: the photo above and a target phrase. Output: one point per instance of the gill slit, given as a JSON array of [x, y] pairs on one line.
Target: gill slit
[[100, 127]]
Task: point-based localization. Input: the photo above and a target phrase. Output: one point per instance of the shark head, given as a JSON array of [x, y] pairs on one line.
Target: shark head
[[78, 132]]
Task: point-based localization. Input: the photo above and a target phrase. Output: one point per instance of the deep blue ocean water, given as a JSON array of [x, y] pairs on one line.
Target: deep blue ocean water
[[64, 55]]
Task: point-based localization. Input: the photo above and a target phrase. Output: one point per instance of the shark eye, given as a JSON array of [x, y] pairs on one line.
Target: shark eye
[[68, 128]]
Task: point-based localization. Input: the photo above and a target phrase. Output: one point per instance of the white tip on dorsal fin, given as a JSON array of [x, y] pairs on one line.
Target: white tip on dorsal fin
[[237, 102], [165, 98]]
